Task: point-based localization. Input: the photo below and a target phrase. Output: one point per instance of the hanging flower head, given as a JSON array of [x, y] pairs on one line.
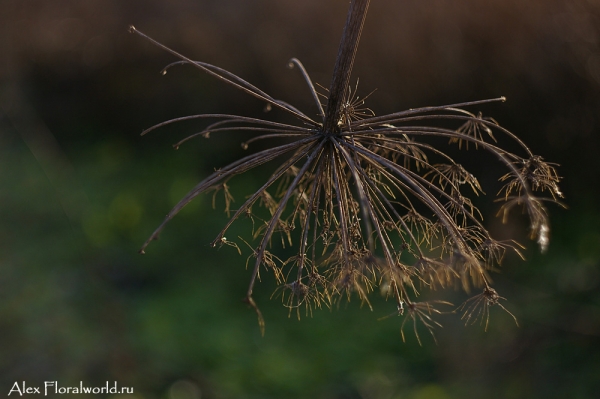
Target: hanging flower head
[[360, 199]]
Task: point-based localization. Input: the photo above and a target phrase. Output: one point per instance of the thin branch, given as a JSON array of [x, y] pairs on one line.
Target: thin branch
[[343, 64]]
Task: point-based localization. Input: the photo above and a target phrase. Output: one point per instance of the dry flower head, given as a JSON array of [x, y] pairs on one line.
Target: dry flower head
[[362, 203]]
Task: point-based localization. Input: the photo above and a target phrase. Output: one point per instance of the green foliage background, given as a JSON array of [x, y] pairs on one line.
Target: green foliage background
[[80, 191]]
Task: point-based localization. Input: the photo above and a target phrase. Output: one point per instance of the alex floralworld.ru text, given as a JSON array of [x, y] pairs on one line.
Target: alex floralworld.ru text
[[52, 387]]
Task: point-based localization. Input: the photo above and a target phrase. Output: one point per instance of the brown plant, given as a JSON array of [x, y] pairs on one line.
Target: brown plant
[[361, 200]]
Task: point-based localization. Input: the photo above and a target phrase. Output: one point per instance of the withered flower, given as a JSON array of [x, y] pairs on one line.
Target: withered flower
[[357, 194]]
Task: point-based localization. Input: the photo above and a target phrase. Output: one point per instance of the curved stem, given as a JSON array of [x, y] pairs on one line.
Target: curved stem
[[297, 63]]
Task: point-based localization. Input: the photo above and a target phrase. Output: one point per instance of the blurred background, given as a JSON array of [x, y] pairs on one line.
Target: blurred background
[[80, 191]]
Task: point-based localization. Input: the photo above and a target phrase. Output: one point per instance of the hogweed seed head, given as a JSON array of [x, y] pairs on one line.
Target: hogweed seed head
[[359, 197]]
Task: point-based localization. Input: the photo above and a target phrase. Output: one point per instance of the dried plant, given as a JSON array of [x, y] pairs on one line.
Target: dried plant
[[361, 200]]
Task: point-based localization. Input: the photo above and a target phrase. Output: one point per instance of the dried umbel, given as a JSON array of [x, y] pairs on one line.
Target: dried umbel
[[360, 199]]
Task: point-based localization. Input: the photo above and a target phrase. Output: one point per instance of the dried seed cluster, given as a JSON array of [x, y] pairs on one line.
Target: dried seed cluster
[[364, 204]]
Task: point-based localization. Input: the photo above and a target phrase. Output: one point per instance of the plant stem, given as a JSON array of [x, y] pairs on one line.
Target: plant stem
[[343, 64]]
